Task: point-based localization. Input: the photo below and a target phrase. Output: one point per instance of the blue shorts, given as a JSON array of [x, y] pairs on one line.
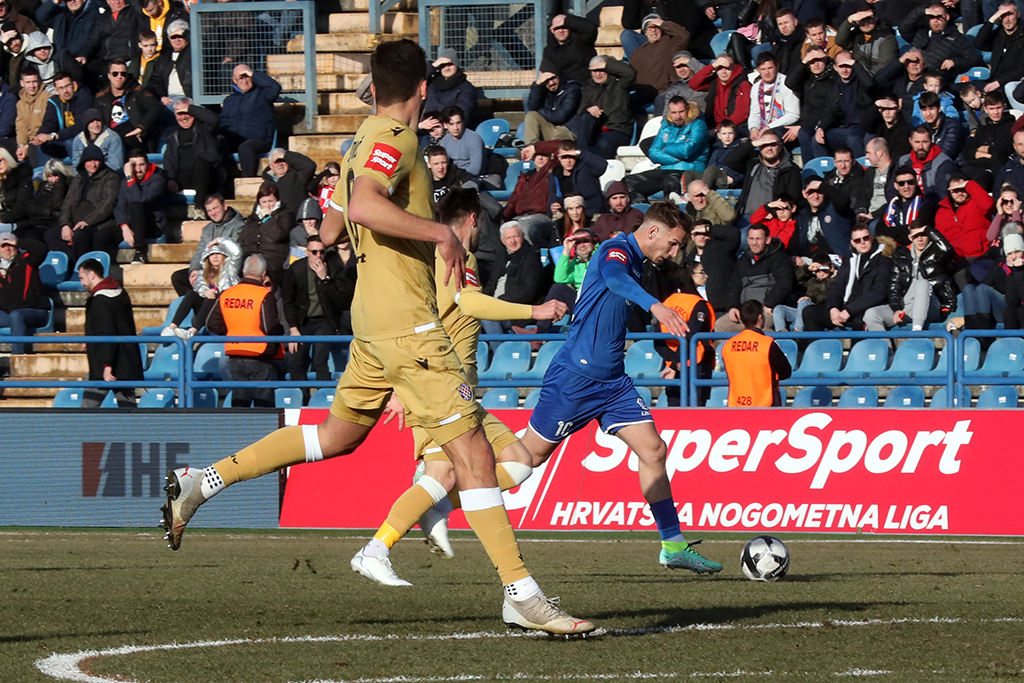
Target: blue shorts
[[569, 401]]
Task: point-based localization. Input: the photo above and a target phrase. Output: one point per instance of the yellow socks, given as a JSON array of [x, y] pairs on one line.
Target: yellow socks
[[406, 511], [279, 449], [485, 512]]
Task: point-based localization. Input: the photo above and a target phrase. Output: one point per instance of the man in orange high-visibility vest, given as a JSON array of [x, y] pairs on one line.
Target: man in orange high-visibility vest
[[249, 310], [754, 362]]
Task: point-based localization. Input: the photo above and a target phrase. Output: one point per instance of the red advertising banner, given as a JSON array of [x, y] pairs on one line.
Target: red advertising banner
[[880, 471]]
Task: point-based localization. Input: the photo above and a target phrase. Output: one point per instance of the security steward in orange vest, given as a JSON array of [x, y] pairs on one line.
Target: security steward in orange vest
[[754, 362], [699, 317], [249, 309]]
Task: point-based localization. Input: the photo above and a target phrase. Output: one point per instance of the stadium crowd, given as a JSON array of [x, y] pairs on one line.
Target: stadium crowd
[[849, 165]]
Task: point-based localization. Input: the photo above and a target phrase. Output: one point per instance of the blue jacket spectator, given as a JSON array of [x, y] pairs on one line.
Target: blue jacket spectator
[[141, 202], [447, 86], [65, 113], [247, 117], [97, 133], [555, 99], [682, 147], [73, 23], [717, 159], [8, 111]]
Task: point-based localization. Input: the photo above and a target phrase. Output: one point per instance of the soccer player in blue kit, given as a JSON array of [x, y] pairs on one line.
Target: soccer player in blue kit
[[587, 379]]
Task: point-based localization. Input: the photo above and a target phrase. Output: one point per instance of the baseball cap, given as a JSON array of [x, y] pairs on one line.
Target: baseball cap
[[8, 238], [178, 27]]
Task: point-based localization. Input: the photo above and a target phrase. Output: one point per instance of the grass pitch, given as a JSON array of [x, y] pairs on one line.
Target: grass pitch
[[285, 607]]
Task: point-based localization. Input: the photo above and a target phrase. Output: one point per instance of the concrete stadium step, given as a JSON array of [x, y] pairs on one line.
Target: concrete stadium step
[[171, 253], [359, 22], [144, 317], [341, 103], [50, 365], [73, 299], [324, 82], [46, 402], [191, 231], [51, 343], [348, 42], [609, 36], [611, 16], [12, 396], [247, 187], [149, 274], [244, 206], [150, 296], [332, 123], [611, 51], [325, 144], [344, 63]]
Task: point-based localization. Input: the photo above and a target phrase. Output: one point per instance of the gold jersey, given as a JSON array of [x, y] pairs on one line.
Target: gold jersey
[[395, 294]]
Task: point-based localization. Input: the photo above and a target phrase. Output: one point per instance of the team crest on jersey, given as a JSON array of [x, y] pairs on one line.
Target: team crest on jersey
[[471, 278], [384, 158], [466, 392], [618, 255]]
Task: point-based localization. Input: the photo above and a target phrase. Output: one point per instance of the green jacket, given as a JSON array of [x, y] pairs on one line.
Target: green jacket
[[570, 271]]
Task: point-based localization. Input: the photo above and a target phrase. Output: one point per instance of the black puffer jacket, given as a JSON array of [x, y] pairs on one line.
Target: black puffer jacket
[[819, 98], [938, 47], [1007, 63], [571, 61], [870, 288], [933, 264], [612, 97], [204, 143], [20, 286], [16, 194], [767, 277], [268, 238], [91, 198], [45, 207], [719, 261]]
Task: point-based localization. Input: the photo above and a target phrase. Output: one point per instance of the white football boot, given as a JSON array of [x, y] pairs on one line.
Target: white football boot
[[376, 569], [434, 524], [184, 496], [541, 613]]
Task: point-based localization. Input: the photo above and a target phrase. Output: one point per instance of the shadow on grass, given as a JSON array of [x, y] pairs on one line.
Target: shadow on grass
[[25, 638]]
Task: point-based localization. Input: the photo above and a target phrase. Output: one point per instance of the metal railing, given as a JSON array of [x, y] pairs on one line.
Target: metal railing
[[227, 34]]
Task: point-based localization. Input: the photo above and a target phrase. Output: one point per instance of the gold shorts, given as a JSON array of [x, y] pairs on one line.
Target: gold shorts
[[424, 372], [498, 435]]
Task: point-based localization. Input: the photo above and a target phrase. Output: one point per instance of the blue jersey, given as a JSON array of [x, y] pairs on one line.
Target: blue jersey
[[597, 336]]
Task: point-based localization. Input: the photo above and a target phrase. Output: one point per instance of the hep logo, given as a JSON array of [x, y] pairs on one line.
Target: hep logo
[[109, 468]]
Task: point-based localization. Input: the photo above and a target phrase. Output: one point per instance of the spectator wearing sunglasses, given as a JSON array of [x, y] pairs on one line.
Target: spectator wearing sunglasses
[[127, 108], [902, 209]]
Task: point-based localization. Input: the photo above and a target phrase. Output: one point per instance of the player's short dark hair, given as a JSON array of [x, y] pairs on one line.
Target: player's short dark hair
[[455, 206], [669, 215], [448, 112], [905, 169], [726, 123], [398, 68], [61, 75], [767, 56], [435, 151], [928, 100], [750, 311], [92, 265], [993, 98]]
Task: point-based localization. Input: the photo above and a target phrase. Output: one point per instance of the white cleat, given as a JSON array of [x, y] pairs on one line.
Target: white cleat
[[541, 613], [184, 496], [435, 527], [377, 569]]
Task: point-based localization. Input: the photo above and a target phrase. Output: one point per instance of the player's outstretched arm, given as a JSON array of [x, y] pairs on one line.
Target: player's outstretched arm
[[550, 310], [672, 321]]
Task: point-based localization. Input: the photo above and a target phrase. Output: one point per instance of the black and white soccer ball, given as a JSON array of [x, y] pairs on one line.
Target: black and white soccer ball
[[764, 558]]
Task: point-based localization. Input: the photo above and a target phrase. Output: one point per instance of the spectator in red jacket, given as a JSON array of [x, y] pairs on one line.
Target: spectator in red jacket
[[963, 217], [779, 216], [728, 93], [528, 204]]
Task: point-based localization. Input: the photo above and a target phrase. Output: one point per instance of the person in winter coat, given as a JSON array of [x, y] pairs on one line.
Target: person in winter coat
[[130, 110], [267, 230], [904, 208], [161, 15], [192, 160], [517, 277], [12, 56], [653, 59], [22, 23], [703, 202], [768, 172], [247, 117], [39, 53], [773, 104], [779, 216], [447, 86], [947, 132], [8, 114], [963, 217], [813, 277], [550, 104], [680, 146], [172, 74], [684, 66], [921, 290], [308, 225], [689, 15], [292, 173], [986, 151], [872, 43], [222, 265], [65, 116], [31, 109], [86, 219], [529, 204], [728, 93], [621, 215], [931, 166], [570, 269], [764, 272], [985, 302], [116, 36], [1012, 171], [862, 282], [714, 247], [717, 174], [886, 122], [15, 191], [95, 132], [73, 23], [823, 223], [1003, 36], [927, 28], [604, 121], [24, 305], [141, 210], [1013, 315], [577, 172], [108, 313], [570, 47], [44, 208], [226, 223], [574, 218]]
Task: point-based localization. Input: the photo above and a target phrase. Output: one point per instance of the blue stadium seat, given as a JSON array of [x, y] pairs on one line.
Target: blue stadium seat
[[813, 397], [73, 285], [68, 398], [662, 401], [531, 399], [719, 371], [109, 401], [821, 357], [961, 397], [556, 253], [164, 364], [818, 166], [720, 42], [54, 269], [491, 129], [999, 397], [541, 363], [729, 194], [499, 399], [288, 397], [511, 178], [863, 161], [483, 356], [867, 357], [971, 34], [906, 396], [719, 397], [171, 310], [509, 358], [642, 361], [206, 364], [912, 358], [204, 398], [640, 206], [859, 397], [645, 394], [978, 73], [45, 327], [1005, 358], [322, 398], [789, 347], [157, 398], [1008, 91]]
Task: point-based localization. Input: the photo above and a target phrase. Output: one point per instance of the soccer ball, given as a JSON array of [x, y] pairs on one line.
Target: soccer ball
[[764, 558]]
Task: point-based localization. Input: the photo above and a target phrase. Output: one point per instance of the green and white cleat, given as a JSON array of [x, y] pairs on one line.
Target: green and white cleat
[[184, 496], [676, 555], [377, 569], [541, 613], [435, 527]]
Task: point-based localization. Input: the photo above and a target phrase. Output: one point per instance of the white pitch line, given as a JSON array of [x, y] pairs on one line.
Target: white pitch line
[[67, 667]]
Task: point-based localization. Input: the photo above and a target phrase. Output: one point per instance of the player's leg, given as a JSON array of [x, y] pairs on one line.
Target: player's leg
[[644, 440]]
